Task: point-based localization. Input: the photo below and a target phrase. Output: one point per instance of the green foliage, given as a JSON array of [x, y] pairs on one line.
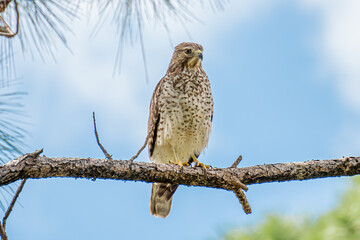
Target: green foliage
[[273, 228], [343, 222]]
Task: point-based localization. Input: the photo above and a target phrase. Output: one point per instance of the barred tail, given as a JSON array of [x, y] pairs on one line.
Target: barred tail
[[161, 198]]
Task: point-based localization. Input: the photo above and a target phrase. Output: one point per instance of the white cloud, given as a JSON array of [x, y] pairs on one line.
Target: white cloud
[[339, 45]]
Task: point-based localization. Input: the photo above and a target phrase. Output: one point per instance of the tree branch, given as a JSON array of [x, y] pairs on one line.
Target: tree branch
[[32, 166], [233, 179]]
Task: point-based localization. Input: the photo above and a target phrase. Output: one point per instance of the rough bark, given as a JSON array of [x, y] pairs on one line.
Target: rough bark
[[33, 166]]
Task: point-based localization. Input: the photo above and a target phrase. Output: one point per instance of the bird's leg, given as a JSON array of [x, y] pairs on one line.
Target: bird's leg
[[198, 163], [177, 160]]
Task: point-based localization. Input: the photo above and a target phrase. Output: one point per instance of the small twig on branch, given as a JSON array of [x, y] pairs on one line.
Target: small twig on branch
[[33, 155], [236, 163], [11, 206], [2, 232], [107, 155], [244, 202], [239, 192], [8, 211], [140, 150]]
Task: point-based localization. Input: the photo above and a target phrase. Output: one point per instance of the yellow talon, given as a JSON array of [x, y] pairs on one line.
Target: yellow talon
[[185, 164], [198, 163], [179, 163]]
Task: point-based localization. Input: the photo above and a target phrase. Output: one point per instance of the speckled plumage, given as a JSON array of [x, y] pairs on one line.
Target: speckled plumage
[[180, 118]]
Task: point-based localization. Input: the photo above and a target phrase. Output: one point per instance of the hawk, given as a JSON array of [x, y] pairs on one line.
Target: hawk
[[180, 120]]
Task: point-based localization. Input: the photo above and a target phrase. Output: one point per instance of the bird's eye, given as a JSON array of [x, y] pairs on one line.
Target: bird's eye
[[187, 51]]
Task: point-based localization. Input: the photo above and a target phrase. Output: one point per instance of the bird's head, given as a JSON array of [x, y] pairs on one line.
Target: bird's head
[[187, 54]]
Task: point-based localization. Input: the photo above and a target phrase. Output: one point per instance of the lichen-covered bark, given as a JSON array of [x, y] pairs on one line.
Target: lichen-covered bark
[[33, 166]]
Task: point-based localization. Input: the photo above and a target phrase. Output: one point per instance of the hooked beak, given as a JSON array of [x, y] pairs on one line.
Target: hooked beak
[[199, 54]]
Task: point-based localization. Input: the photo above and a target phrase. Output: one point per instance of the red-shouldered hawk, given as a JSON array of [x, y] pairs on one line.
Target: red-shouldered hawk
[[180, 119]]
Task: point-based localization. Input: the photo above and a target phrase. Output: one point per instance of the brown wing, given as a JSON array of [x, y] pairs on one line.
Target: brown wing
[[154, 118]]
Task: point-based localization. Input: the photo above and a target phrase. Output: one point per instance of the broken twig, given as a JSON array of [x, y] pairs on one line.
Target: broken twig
[[237, 161], [107, 155]]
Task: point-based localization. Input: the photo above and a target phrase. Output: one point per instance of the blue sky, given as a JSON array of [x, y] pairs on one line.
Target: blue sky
[[285, 81]]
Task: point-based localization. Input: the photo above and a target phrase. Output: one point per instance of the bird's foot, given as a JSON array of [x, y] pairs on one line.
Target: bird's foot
[[199, 164], [179, 163]]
